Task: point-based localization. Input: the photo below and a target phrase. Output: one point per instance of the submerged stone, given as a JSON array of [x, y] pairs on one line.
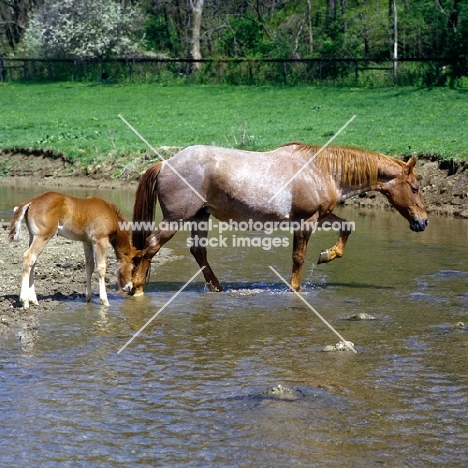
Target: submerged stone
[[279, 392]]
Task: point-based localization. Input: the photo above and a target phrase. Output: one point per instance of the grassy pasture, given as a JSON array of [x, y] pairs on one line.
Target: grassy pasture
[[81, 120]]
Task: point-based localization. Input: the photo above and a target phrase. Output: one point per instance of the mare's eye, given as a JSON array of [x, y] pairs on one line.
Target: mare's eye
[[414, 189]]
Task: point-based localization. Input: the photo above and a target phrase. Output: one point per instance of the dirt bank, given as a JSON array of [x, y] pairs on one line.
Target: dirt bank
[[60, 274], [444, 183], [444, 187]]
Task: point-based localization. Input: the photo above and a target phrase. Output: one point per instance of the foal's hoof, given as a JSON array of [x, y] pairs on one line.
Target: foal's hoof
[[324, 256]]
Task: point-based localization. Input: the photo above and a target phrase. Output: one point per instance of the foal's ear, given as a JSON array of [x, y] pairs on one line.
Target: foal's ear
[[137, 257], [410, 164]]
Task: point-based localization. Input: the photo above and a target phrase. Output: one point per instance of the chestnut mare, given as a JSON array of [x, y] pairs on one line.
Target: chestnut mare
[[293, 183], [90, 220]]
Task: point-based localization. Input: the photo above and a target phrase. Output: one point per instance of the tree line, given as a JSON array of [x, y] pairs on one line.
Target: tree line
[[295, 29]]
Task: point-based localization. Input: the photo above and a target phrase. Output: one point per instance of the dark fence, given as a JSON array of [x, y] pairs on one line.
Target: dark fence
[[409, 71]]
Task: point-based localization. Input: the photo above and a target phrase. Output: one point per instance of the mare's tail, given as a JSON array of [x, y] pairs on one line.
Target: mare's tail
[[145, 202], [14, 234]]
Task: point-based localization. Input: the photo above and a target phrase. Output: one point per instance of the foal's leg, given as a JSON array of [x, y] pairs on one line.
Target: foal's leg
[[200, 236], [300, 240], [89, 266], [337, 250], [95, 257], [100, 249], [28, 292]]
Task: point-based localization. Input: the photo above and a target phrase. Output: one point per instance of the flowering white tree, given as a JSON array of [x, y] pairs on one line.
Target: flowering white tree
[[85, 29]]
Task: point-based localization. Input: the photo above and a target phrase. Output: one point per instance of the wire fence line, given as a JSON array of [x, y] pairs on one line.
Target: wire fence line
[[250, 71]]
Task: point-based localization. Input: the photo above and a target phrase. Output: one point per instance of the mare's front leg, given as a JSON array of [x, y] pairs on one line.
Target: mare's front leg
[[338, 249], [198, 244], [28, 291], [301, 238]]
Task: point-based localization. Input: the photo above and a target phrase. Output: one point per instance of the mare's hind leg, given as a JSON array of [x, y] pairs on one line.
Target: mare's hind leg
[[338, 249], [198, 244], [28, 291], [300, 240]]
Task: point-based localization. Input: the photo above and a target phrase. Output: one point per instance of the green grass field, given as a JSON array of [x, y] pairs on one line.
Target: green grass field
[[81, 120]]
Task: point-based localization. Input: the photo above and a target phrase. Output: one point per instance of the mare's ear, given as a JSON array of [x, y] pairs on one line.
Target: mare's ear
[[410, 164]]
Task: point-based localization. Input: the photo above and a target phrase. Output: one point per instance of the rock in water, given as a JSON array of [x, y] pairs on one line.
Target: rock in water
[[361, 316], [341, 346]]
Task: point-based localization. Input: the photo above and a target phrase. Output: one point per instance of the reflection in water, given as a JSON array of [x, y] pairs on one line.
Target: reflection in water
[[188, 390]]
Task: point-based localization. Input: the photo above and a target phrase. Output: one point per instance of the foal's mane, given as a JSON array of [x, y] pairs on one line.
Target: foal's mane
[[117, 211], [351, 166]]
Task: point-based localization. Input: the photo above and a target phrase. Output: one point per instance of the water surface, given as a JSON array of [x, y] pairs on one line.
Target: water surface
[[188, 390]]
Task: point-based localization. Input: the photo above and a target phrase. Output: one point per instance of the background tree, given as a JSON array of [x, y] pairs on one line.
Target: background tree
[[14, 15], [197, 11], [241, 28], [85, 29]]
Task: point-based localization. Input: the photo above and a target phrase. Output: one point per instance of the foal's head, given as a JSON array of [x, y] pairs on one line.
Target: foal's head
[[126, 270], [402, 191], [132, 274]]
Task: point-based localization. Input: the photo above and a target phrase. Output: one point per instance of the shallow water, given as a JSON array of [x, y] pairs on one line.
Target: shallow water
[[188, 390]]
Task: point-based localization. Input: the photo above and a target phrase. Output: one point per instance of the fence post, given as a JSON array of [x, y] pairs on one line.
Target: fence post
[[130, 69], [285, 74]]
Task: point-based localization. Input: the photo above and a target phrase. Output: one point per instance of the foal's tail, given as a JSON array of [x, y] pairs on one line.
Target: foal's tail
[[145, 202], [14, 235]]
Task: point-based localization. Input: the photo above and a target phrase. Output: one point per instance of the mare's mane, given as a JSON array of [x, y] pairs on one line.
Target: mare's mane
[[351, 166]]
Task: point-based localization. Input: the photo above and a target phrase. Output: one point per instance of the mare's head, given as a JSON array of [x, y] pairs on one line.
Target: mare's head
[[403, 192]]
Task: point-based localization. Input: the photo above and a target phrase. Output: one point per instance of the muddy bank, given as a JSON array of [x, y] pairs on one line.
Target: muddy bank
[[60, 274], [444, 186], [444, 183]]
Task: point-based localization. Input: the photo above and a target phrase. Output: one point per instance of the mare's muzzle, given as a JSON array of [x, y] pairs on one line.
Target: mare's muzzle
[[419, 225]]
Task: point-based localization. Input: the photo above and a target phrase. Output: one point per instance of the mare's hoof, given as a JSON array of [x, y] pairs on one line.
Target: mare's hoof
[[324, 257], [212, 288]]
